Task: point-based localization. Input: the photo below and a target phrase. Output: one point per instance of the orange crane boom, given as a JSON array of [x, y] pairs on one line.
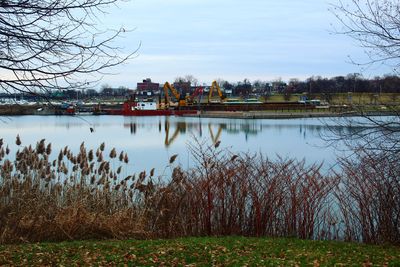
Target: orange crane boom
[[215, 86], [169, 87]]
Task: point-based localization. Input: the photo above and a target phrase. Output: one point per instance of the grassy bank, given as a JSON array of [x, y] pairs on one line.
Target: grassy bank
[[227, 251]]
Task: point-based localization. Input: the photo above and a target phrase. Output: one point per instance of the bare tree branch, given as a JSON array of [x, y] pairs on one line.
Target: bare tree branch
[[375, 24], [54, 44]]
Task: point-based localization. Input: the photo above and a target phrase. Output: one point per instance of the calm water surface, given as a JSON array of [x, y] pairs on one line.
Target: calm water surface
[[151, 141]]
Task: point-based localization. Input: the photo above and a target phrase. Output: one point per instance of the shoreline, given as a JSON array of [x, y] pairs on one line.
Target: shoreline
[[38, 110], [284, 115]]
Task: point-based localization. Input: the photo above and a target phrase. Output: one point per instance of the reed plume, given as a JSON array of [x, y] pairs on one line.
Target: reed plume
[[45, 197]]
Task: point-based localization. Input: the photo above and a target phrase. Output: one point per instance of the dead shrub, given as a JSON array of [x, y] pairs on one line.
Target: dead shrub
[[80, 197]]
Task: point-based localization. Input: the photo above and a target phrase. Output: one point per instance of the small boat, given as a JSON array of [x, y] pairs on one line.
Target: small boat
[[148, 108]]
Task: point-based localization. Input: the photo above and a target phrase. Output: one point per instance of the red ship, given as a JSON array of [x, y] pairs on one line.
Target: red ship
[[148, 108]]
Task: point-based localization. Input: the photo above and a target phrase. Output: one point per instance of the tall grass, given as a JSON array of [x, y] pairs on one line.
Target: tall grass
[[66, 196], [70, 197]]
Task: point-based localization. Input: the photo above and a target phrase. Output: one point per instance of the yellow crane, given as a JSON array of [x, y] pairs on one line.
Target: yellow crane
[[169, 87], [215, 86]]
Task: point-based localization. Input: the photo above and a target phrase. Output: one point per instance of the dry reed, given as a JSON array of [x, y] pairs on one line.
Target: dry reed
[[82, 196]]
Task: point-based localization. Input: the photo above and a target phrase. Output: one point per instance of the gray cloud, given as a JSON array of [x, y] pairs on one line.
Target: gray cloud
[[259, 39]]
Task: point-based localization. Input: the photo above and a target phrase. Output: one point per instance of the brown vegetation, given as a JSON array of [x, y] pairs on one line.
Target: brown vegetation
[[81, 196], [369, 197]]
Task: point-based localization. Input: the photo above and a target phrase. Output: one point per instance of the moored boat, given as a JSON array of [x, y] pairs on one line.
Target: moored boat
[[148, 108]]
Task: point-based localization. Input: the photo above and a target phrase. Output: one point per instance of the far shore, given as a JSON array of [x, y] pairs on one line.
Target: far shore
[[286, 114], [18, 110]]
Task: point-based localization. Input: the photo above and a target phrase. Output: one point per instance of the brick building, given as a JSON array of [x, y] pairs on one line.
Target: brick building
[[147, 87]]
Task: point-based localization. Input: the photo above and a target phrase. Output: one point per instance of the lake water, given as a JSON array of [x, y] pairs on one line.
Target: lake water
[[151, 141]]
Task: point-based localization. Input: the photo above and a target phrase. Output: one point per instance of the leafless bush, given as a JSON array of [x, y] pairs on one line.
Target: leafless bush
[[77, 196], [246, 195], [369, 198]]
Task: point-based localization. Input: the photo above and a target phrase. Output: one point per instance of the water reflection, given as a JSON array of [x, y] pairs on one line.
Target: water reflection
[[297, 138], [150, 141], [172, 128], [235, 127]]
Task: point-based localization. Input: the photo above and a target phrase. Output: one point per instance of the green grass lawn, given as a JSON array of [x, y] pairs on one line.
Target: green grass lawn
[[227, 251]]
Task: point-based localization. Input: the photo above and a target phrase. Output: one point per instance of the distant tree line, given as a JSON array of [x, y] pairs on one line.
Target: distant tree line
[[106, 91], [317, 85], [354, 83]]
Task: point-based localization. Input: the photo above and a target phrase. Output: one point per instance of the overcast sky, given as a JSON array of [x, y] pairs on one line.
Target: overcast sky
[[232, 40]]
